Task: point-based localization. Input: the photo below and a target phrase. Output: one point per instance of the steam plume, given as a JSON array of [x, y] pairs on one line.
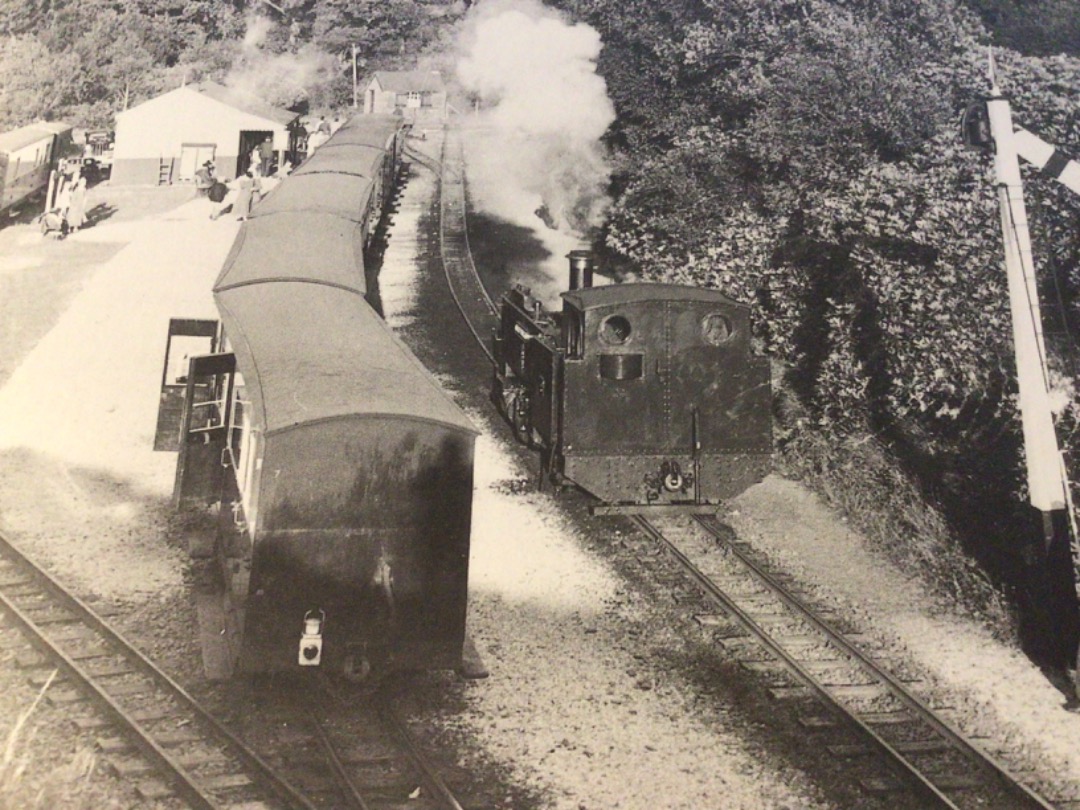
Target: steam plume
[[281, 79], [534, 76]]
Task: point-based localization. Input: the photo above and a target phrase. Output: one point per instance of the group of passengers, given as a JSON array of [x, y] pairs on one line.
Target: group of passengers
[[237, 196], [67, 211]]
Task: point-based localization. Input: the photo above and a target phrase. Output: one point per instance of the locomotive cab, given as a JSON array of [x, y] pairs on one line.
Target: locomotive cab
[[664, 404], [644, 395]]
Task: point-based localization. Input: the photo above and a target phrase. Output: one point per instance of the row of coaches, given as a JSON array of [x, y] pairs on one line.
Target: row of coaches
[[338, 469]]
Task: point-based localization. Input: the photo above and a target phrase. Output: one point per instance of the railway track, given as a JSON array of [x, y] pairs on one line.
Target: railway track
[[780, 638], [165, 741], [472, 299], [354, 751], [845, 689]]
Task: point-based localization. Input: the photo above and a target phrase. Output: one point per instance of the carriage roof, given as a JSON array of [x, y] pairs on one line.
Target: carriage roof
[[343, 195], [318, 247], [16, 139], [343, 158], [299, 370]]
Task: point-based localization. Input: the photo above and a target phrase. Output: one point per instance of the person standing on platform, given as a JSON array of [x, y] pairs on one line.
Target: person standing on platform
[[266, 156], [246, 186], [76, 215]]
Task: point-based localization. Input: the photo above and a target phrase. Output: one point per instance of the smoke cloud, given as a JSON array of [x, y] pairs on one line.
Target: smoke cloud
[[281, 79], [543, 109]]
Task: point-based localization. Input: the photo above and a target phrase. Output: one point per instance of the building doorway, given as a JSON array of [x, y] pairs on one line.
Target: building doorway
[[249, 140]]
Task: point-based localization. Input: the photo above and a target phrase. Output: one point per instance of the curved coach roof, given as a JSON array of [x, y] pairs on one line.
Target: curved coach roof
[[316, 247], [339, 183], [615, 294], [343, 195], [367, 130], [16, 139], [310, 353], [346, 158]]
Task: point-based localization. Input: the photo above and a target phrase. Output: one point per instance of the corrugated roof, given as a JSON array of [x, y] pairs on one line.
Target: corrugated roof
[[309, 352], [244, 102], [613, 294], [410, 81], [24, 136], [319, 248]]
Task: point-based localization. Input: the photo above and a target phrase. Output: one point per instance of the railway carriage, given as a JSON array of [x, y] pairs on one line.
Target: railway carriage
[[645, 395], [28, 156], [340, 472]]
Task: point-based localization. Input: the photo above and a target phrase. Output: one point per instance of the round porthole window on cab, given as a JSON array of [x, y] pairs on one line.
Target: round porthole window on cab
[[615, 330], [716, 328]]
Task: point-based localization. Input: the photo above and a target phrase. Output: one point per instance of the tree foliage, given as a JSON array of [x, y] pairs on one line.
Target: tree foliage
[[84, 60]]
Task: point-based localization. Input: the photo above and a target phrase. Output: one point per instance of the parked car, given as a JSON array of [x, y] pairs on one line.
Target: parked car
[[91, 168]]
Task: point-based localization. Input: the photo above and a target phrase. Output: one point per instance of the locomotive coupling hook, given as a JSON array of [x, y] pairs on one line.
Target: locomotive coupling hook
[[672, 476]]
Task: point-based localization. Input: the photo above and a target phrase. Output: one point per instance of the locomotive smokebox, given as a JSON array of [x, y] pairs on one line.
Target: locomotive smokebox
[[581, 269]]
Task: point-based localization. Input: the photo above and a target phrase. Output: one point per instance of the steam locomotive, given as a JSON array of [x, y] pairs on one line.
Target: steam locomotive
[[338, 470], [647, 396]]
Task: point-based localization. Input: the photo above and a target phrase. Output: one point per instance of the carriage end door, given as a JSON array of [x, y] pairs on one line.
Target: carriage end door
[[208, 400], [187, 337]]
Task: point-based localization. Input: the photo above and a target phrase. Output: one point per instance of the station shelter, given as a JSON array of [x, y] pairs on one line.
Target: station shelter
[[419, 96], [166, 139]]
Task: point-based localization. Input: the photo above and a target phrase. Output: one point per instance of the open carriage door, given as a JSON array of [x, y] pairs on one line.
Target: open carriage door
[[208, 399], [187, 337]]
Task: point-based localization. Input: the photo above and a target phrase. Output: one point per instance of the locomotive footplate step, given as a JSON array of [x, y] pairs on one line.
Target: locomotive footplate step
[[472, 666], [659, 510]]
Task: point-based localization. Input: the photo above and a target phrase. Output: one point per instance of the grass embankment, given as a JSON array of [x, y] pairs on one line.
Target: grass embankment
[[858, 477]]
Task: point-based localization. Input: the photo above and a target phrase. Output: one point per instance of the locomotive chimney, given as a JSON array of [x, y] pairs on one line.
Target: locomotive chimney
[[581, 269]]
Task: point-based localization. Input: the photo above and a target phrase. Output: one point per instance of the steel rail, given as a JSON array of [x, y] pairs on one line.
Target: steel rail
[[175, 773], [437, 786], [83, 613], [906, 770], [453, 234], [914, 704], [352, 792]]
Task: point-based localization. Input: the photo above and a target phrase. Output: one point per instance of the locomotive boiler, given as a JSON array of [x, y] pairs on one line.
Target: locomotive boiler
[[647, 396]]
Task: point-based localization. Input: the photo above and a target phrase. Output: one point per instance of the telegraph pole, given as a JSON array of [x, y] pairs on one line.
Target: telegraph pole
[[354, 85]]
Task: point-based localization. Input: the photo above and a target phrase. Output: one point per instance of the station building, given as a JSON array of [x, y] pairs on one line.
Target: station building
[[166, 139], [419, 96]]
